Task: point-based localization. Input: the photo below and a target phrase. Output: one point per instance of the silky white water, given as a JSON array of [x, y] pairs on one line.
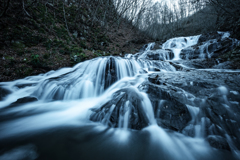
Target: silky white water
[[177, 44], [65, 98]]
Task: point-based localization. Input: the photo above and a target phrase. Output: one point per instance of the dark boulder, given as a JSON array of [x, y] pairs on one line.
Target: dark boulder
[[174, 114], [224, 116], [3, 93], [218, 142], [209, 49], [110, 73], [224, 46], [160, 54], [154, 69], [208, 36], [189, 53], [196, 63], [125, 103]]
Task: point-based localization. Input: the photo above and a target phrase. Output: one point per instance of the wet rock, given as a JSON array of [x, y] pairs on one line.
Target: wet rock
[[234, 96], [209, 36], [173, 113], [209, 46], [143, 48], [154, 69], [135, 56], [215, 129], [5, 115], [179, 67], [159, 54], [198, 63], [189, 130], [3, 93], [224, 116], [189, 53], [157, 46], [218, 142], [219, 107], [23, 100], [187, 85], [224, 46], [110, 73], [125, 107], [25, 85]]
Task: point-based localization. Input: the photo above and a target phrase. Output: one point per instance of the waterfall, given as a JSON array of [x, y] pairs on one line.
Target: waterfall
[[87, 79], [177, 44], [138, 107]]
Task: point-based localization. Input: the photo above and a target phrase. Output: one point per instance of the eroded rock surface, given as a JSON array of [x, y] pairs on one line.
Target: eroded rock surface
[[125, 104], [215, 95]]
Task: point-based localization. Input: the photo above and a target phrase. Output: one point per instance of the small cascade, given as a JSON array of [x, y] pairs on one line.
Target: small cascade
[[128, 55], [209, 47], [148, 47], [127, 107], [155, 65], [177, 44], [159, 54], [224, 34]]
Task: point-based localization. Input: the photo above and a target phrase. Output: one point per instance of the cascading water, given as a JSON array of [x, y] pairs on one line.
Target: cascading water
[[137, 107], [88, 79], [177, 44]]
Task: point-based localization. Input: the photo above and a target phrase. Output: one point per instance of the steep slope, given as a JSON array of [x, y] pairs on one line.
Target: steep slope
[[38, 36]]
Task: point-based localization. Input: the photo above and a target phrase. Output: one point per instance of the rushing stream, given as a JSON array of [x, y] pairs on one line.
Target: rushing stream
[[150, 105]]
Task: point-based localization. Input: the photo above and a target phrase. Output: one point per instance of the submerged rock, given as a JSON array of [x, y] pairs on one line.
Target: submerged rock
[[5, 115], [23, 100]]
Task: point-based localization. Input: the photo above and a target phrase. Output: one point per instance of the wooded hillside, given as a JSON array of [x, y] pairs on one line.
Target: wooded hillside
[[40, 35]]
